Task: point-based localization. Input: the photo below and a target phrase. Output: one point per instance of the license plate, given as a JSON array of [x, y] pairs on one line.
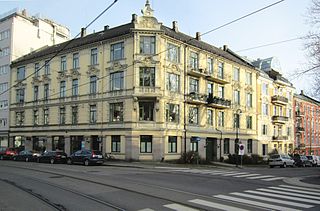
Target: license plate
[[63, 156], [99, 156]]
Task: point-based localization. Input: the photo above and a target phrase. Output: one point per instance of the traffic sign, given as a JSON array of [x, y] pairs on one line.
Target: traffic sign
[[241, 149]]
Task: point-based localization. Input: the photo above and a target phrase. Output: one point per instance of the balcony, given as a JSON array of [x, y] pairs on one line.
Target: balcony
[[196, 98], [279, 120], [300, 129], [299, 113], [279, 100], [279, 138], [217, 78], [217, 102], [147, 91], [197, 72]]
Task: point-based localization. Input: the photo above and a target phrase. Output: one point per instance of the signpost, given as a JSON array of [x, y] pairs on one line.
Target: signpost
[[241, 152]]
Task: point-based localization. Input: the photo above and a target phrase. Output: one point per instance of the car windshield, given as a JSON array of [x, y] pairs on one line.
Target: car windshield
[[274, 156]]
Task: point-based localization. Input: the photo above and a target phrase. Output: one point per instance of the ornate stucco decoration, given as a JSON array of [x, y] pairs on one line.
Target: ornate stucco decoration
[[62, 75], [75, 73], [92, 70], [117, 66], [249, 89], [236, 85], [147, 20], [148, 60], [45, 78], [36, 80]]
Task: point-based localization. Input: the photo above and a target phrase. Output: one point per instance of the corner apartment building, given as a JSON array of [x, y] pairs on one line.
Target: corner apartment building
[[307, 124], [21, 34], [140, 91], [275, 105]]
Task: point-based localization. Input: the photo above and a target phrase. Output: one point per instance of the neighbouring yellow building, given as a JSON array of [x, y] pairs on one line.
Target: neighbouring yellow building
[[141, 91]]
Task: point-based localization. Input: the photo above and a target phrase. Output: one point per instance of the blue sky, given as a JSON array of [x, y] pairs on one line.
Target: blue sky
[[284, 21]]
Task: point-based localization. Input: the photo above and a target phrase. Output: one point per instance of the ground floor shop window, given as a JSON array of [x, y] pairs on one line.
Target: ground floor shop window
[[145, 144], [264, 149], [194, 146], [58, 143], [172, 144], [226, 146], [115, 143], [76, 143]]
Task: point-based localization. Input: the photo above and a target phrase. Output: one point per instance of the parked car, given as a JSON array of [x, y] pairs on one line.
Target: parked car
[[8, 153], [26, 155], [301, 160], [86, 157], [280, 160], [52, 157], [313, 159]]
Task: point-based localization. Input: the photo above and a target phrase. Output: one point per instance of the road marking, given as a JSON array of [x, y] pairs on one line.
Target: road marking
[[247, 175], [273, 200], [179, 207], [297, 191], [301, 188], [174, 168], [288, 193], [225, 172], [234, 174], [255, 203], [273, 179], [260, 177], [215, 205], [147, 209], [283, 197]]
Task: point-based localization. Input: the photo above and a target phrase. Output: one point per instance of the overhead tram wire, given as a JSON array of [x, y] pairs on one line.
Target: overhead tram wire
[[187, 41], [67, 43]]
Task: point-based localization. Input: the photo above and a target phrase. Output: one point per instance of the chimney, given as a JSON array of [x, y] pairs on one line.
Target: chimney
[[198, 36], [24, 12], [83, 32], [175, 26], [225, 47], [106, 27], [134, 18], [302, 92]]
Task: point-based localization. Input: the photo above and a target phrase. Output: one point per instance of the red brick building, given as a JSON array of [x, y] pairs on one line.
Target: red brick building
[[307, 124]]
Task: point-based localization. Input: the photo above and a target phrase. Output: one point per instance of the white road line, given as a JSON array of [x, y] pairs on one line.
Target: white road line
[[173, 168], [260, 177], [297, 191], [289, 194], [273, 200], [247, 175], [284, 197], [234, 174], [179, 207], [147, 209], [255, 203], [216, 205], [273, 179], [225, 172], [301, 188]]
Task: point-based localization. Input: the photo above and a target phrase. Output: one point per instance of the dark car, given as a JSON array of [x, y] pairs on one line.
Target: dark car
[[86, 157], [8, 153], [26, 155], [301, 160], [52, 157]]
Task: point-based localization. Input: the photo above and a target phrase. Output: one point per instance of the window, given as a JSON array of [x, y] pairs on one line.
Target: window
[[172, 144], [210, 117], [248, 78], [194, 60], [35, 117], [94, 56], [4, 69], [249, 100], [3, 87], [236, 97], [62, 119], [116, 112], [47, 67], [265, 109], [147, 76], [249, 122], [46, 92], [221, 91], [63, 65], [236, 120], [194, 146], [117, 51], [210, 89], [93, 84], [249, 147], [221, 119], [226, 146], [19, 117], [5, 52], [4, 104], [35, 93], [93, 113], [36, 69], [210, 65], [20, 95], [5, 34], [264, 129], [264, 88], [288, 131], [193, 115], [173, 53], [145, 144], [147, 45], [62, 89], [221, 70], [74, 115], [172, 113], [75, 61], [194, 85], [116, 81], [115, 143], [173, 82], [75, 87], [146, 111], [46, 116], [264, 149], [236, 74], [21, 73]]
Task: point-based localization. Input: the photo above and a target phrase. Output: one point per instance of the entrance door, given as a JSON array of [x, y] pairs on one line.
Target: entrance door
[[94, 142], [211, 149]]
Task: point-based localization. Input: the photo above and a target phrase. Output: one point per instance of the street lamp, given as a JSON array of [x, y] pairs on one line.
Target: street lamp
[[220, 143]]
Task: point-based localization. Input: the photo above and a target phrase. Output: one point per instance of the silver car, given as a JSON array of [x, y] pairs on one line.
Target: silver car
[[280, 160]]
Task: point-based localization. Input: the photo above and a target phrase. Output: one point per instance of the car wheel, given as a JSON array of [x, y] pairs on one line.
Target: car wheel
[[69, 161], [271, 166], [304, 165], [14, 158], [284, 165], [27, 159], [1, 157], [52, 161], [86, 162]]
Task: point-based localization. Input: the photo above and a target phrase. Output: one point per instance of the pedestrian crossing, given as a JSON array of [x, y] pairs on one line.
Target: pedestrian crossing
[[282, 197], [227, 173]]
